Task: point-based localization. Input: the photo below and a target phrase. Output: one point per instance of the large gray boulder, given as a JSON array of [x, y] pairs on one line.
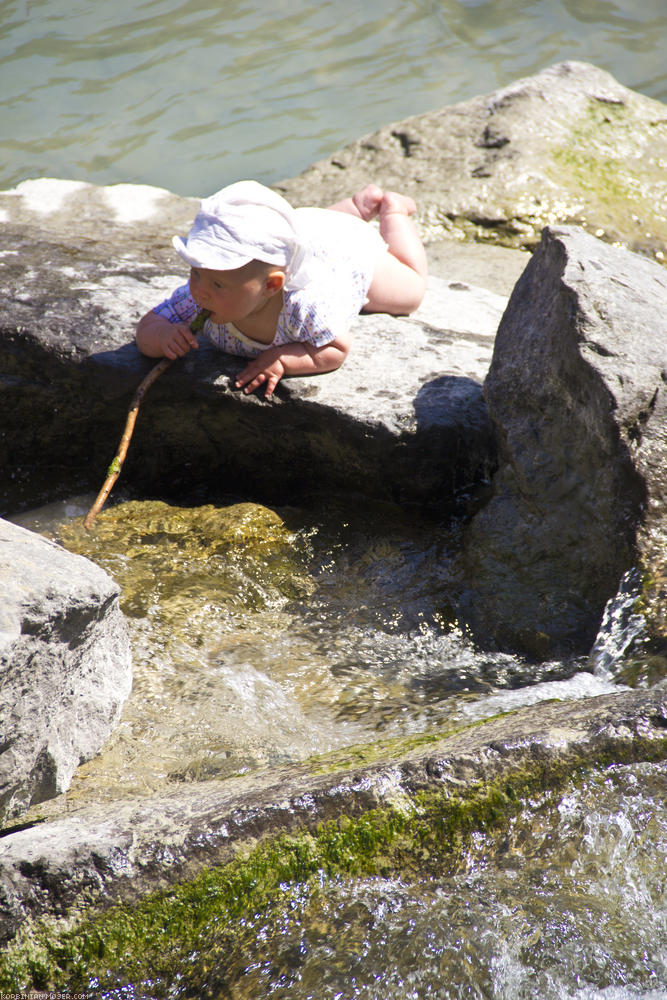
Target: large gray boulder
[[404, 417], [577, 390], [65, 666], [568, 145]]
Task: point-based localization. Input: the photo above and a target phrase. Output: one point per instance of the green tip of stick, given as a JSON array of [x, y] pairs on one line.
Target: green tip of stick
[[199, 320]]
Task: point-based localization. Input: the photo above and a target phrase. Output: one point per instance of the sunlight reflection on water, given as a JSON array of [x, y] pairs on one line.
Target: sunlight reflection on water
[[260, 653]]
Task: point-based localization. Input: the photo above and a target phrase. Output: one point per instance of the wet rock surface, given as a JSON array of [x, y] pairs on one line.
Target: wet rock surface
[[577, 391], [101, 856], [65, 666]]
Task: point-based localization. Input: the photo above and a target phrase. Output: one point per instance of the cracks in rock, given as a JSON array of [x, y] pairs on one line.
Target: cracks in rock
[[635, 429], [492, 139], [406, 141], [600, 349]]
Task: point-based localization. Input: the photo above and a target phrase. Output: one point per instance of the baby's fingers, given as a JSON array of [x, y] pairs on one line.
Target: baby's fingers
[[247, 375], [272, 381], [180, 342], [254, 383]]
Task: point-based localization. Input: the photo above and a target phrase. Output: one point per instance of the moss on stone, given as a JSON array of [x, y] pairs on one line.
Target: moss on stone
[[182, 929], [600, 179], [394, 748], [652, 604]]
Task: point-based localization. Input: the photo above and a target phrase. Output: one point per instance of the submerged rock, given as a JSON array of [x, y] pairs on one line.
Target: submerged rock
[[568, 145], [179, 565], [578, 392], [65, 666], [414, 807]]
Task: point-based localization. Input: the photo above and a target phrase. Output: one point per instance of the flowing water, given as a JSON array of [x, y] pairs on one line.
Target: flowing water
[[193, 94], [568, 903], [262, 637]]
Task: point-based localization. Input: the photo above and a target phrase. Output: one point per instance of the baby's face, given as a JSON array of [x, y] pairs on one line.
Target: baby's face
[[229, 295]]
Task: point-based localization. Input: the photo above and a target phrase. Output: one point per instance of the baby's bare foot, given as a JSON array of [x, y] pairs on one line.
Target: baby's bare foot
[[398, 204], [368, 201]]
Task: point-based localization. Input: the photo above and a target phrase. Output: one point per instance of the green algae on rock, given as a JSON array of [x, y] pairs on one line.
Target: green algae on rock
[[200, 932], [190, 934], [615, 173], [567, 145], [241, 556]]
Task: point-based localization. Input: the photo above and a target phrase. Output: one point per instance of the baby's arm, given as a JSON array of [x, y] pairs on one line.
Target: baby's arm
[[292, 359], [157, 337]]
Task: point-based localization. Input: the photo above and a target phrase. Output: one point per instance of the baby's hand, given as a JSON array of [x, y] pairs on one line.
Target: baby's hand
[[177, 340], [267, 370]]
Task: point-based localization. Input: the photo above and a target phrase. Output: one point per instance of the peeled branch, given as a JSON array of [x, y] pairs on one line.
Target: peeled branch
[[114, 469]]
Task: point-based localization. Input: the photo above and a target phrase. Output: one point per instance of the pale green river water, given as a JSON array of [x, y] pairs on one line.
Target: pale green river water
[[193, 94], [569, 903]]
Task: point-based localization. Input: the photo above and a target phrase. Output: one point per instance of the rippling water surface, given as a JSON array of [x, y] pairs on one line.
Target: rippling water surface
[[192, 94], [308, 632], [569, 903]]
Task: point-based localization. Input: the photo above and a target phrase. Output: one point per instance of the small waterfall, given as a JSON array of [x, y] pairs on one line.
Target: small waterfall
[[621, 625]]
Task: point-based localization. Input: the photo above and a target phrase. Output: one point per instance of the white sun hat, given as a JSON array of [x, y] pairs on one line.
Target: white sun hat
[[247, 221]]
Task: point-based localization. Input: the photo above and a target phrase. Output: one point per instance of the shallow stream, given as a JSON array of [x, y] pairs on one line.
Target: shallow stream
[[262, 637], [568, 903]]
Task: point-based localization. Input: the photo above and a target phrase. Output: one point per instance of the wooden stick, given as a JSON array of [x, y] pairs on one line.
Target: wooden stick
[[114, 469]]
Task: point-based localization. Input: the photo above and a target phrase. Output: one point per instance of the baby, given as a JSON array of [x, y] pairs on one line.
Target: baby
[[284, 285]]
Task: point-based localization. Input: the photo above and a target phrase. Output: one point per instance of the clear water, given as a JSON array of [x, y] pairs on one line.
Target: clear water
[[568, 903], [193, 94], [237, 669], [247, 657]]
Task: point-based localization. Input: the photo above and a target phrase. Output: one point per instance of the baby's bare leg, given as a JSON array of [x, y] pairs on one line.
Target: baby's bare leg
[[399, 281]]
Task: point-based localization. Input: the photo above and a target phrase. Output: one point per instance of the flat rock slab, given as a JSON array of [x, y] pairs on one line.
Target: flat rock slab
[[404, 417], [101, 856], [568, 145], [65, 666]]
